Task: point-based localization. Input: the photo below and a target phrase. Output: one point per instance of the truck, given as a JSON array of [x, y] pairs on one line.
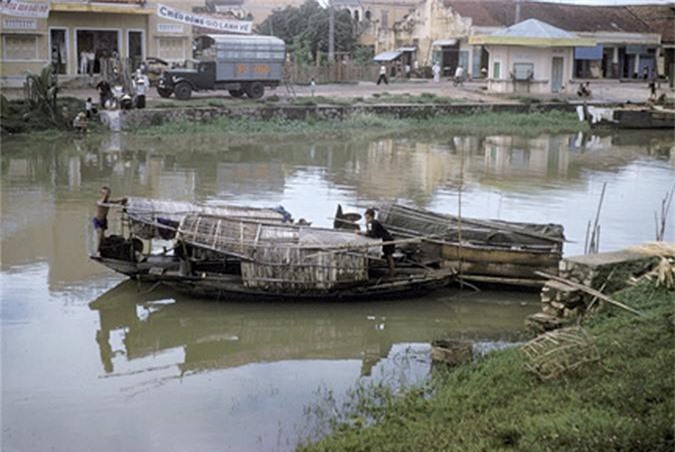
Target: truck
[[240, 64]]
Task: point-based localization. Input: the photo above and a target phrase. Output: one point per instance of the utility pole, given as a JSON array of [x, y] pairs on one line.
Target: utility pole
[[517, 12], [331, 32]]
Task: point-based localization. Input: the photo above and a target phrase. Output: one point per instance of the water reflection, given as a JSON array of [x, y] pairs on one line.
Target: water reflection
[[135, 324], [133, 362], [48, 188]]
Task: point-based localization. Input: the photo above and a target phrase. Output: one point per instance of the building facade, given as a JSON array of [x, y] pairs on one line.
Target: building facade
[[129, 29], [628, 46]]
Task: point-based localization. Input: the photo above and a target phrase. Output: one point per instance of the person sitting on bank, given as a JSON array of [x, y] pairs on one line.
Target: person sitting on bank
[[80, 123], [584, 90], [375, 230], [100, 220]]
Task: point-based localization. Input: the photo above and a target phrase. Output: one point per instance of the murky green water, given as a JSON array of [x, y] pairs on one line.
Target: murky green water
[[90, 362]]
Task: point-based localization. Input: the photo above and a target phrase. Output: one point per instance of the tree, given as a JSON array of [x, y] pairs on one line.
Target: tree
[[304, 29]]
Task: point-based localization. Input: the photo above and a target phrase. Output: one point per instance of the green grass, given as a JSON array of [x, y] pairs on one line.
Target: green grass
[[479, 124], [623, 402]]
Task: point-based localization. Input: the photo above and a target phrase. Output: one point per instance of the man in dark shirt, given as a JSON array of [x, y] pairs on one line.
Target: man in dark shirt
[[374, 229], [104, 92]]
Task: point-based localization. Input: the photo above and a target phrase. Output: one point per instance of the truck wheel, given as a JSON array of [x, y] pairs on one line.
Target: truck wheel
[[255, 90], [164, 92], [183, 90], [236, 92]]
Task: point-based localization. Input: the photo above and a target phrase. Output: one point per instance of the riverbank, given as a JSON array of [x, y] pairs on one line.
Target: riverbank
[[622, 402], [481, 124]]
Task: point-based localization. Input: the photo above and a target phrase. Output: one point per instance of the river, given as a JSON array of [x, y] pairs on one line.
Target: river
[[91, 362]]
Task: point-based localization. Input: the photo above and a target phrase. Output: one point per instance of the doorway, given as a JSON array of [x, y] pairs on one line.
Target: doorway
[[102, 43], [557, 74], [135, 48], [58, 49], [449, 59]]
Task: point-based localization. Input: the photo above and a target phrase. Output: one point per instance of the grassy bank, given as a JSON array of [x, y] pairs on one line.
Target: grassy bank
[[623, 402], [477, 124]]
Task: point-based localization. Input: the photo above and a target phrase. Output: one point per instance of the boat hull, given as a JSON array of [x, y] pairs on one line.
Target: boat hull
[[230, 287]]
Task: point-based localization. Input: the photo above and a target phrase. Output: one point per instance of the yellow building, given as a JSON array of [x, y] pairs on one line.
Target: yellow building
[[71, 29], [376, 18]]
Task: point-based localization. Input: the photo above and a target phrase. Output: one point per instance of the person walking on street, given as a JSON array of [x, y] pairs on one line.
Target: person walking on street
[[436, 69], [383, 75], [459, 75]]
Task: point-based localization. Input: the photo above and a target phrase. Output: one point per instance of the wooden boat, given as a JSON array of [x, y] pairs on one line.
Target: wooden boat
[[488, 251], [237, 258]]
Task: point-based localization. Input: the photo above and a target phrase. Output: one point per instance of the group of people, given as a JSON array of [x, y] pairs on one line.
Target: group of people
[[87, 60], [112, 97], [459, 78]]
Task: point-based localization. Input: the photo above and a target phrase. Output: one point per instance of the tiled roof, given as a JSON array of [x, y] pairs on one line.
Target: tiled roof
[[502, 13], [660, 18]]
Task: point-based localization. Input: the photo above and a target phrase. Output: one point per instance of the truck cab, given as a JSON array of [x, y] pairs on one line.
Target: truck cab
[[241, 64], [196, 76]]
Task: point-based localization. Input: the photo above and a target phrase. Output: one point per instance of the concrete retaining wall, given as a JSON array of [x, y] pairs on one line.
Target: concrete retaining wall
[[130, 119]]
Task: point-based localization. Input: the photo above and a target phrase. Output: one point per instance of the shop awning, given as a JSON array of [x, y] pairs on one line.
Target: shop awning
[[388, 56], [444, 42], [588, 53]]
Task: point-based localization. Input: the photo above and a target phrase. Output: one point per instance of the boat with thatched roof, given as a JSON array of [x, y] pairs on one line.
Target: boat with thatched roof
[[484, 251], [254, 254]]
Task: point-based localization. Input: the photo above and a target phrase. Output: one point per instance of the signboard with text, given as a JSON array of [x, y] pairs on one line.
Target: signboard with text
[[222, 25], [24, 9]]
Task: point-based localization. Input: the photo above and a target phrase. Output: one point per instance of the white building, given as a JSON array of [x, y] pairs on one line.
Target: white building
[[531, 56]]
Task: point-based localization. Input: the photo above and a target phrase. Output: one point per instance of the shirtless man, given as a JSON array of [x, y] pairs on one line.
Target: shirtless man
[[100, 221]]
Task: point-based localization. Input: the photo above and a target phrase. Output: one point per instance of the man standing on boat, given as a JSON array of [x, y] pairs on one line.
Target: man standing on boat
[[374, 229], [100, 221]]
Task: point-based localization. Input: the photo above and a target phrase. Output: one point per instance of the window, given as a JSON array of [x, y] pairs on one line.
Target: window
[[496, 70], [384, 21], [20, 48], [523, 71], [171, 48], [367, 15]]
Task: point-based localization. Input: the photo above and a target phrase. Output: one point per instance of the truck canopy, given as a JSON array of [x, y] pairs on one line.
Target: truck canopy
[[245, 58], [244, 47]]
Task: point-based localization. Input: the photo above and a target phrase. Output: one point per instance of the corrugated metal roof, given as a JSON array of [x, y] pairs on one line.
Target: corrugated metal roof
[[533, 28], [444, 42], [387, 56], [533, 32]]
